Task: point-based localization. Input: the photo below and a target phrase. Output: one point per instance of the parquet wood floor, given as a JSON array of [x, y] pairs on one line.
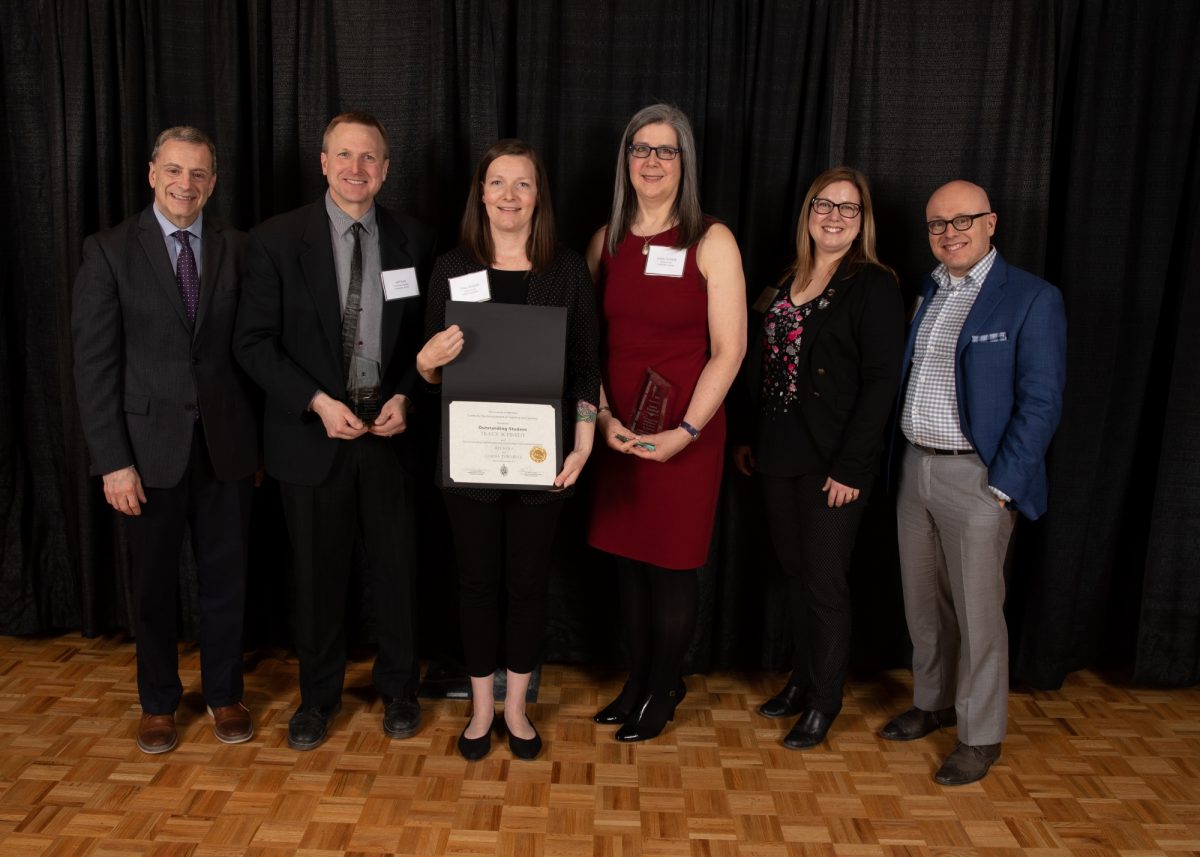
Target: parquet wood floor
[[1092, 769]]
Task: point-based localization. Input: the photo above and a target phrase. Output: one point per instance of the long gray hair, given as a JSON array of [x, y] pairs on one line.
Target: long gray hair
[[686, 209]]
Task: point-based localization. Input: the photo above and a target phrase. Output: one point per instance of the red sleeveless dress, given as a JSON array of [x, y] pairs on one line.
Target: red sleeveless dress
[[646, 510]]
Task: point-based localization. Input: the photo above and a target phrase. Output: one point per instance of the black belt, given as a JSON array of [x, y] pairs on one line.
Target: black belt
[[931, 451]]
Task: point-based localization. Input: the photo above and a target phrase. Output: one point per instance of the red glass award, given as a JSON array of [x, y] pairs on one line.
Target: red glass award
[[649, 413]]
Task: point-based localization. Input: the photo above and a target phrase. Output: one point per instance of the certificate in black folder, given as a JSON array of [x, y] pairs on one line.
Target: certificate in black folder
[[502, 396]]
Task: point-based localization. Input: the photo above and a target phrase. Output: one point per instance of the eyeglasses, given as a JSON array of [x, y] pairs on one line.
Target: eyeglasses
[[823, 206], [664, 153], [962, 223]]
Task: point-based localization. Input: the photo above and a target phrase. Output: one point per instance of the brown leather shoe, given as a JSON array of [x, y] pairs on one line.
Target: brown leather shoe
[[156, 733], [967, 764], [231, 723]]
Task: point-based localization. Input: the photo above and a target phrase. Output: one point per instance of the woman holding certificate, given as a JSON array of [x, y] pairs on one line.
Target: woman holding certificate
[[674, 314], [507, 251], [831, 346]]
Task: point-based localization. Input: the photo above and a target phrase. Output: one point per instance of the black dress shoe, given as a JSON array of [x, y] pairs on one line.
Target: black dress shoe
[[474, 749], [308, 727], [402, 716], [620, 709], [968, 763], [525, 748], [809, 730], [917, 723], [651, 717], [787, 703]]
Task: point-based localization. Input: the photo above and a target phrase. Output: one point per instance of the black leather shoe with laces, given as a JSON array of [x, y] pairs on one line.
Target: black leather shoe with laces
[[309, 726], [402, 716]]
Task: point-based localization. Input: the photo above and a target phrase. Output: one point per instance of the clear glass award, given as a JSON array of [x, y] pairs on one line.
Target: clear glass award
[[649, 413], [362, 388]]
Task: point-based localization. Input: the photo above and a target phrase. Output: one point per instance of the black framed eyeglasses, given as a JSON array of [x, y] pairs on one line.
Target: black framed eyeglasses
[[846, 209], [962, 222], [664, 153]]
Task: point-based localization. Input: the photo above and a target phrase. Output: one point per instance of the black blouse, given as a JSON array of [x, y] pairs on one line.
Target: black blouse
[[565, 283]]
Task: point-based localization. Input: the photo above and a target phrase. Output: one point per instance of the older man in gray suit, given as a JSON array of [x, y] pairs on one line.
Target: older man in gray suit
[[169, 423]]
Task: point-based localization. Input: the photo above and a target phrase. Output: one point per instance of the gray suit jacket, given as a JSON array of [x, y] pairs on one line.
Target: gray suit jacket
[[142, 370]]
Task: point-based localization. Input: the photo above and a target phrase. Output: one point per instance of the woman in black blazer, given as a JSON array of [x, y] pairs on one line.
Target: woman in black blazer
[[828, 368], [508, 232]]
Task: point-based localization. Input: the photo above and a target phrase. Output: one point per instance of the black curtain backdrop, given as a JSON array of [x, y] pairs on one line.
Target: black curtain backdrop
[[1082, 119]]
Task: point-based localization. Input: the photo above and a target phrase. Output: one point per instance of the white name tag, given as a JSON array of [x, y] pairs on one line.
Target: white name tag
[[665, 261], [766, 299], [400, 283], [472, 288]]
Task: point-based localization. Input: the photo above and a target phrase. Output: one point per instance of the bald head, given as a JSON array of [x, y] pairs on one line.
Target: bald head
[[960, 249]]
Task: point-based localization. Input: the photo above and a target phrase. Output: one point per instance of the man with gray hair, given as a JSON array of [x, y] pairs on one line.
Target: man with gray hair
[[169, 423]]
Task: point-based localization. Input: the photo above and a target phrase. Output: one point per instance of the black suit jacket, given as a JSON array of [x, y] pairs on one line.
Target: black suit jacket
[[847, 378], [289, 330], [142, 370]]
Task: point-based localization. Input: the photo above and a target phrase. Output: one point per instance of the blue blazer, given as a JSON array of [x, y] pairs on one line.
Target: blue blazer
[[1010, 369]]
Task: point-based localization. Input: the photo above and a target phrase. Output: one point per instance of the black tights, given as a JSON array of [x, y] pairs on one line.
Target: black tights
[[659, 606]]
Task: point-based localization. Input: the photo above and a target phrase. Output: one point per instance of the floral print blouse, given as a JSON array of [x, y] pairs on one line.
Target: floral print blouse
[[783, 330]]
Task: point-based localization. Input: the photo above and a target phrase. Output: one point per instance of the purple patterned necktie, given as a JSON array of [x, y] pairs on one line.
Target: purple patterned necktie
[[186, 274]]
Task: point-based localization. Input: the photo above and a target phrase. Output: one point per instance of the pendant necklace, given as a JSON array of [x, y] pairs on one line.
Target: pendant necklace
[[646, 239]]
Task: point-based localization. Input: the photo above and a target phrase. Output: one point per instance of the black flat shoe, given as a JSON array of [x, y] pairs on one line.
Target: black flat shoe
[[787, 703], [474, 749], [810, 730], [309, 726], [651, 718], [620, 709], [525, 748]]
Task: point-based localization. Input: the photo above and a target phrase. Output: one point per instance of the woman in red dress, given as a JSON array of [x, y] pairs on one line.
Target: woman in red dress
[[673, 303]]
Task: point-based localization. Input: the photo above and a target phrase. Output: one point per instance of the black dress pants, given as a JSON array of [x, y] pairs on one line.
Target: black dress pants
[[218, 514], [511, 541], [365, 491], [815, 544]]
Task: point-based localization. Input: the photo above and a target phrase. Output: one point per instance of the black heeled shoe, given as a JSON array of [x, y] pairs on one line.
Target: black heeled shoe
[[621, 708], [474, 749], [651, 718], [809, 731], [525, 748], [787, 703]]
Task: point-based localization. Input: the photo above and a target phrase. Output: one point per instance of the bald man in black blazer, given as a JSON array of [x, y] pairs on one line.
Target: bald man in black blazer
[[331, 282], [169, 422]]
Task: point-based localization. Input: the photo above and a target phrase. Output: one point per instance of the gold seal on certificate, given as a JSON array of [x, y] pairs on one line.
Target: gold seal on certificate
[[502, 443]]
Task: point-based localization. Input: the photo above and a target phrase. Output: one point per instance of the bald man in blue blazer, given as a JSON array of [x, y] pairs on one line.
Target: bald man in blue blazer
[[981, 396]]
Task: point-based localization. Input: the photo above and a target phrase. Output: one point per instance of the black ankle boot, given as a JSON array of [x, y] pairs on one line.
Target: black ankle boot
[[621, 708], [651, 717]]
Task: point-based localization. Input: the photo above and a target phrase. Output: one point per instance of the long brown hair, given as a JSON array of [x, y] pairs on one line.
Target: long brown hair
[[861, 252], [686, 209], [475, 234]]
